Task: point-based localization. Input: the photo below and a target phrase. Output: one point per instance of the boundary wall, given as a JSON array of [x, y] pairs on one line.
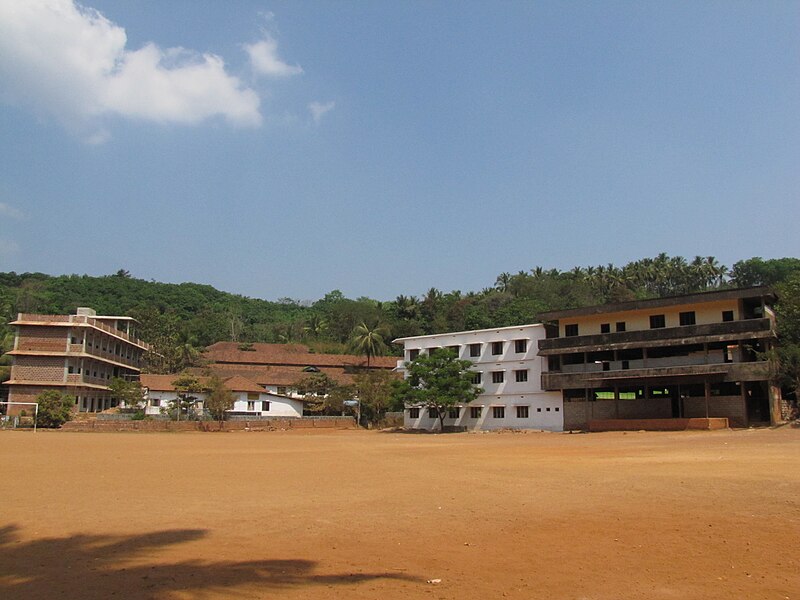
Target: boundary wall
[[237, 425]]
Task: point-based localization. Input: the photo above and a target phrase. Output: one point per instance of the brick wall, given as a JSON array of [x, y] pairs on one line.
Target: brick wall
[[38, 368], [48, 339], [731, 407], [575, 413], [259, 425]]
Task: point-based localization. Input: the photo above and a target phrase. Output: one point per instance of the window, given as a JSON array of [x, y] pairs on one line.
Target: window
[[70, 369], [620, 325], [522, 412], [626, 364], [475, 412], [557, 409], [251, 405], [412, 355], [520, 346], [453, 413], [497, 348], [539, 409], [571, 330], [155, 402], [265, 406], [498, 412], [605, 328], [497, 376], [687, 318], [413, 413], [73, 340], [432, 351], [455, 350], [727, 315], [657, 321], [476, 378], [474, 350], [521, 376], [252, 396], [281, 390]]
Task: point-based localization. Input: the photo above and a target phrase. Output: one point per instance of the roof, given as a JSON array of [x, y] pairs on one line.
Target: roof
[[288, 355], [235, 383], [445, 333], [696, 298], [279, 375]]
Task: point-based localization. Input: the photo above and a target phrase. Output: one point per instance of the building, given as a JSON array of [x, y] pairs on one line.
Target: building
[[277, 367], [506, 366], [75, 354], [251, 399], [699, 355]]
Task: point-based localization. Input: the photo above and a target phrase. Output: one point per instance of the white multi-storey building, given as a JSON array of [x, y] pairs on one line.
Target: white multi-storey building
[[506, 366]]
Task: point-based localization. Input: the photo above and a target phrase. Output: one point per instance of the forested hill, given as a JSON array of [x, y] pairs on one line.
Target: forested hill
[[190, 316]]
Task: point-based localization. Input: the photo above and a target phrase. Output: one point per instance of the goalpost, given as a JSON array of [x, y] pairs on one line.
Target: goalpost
[[6, 417]]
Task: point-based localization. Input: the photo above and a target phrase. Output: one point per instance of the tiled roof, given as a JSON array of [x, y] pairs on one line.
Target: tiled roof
[[272, 375], [234, 382], [237, 383], [163, 382], [288, 355]]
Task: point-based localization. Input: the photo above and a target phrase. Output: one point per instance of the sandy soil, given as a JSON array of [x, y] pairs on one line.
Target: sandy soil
[[354, 515]]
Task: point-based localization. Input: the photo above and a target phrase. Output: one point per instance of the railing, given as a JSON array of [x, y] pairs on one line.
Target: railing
[[78, 319], [632, 338]]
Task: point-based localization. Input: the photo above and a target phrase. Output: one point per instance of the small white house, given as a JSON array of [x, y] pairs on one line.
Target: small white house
[[506, 366], [250, 398]]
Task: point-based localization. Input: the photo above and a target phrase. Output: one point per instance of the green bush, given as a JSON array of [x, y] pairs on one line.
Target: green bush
[[55, 408]]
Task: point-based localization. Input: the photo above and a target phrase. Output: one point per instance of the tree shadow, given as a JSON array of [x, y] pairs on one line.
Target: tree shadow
[[104, 566]]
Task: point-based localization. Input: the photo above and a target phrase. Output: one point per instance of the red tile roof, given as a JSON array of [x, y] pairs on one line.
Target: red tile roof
[[234, 382], [289, 355]]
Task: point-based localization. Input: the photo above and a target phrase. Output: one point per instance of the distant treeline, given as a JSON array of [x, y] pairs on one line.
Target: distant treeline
[[180, 318]]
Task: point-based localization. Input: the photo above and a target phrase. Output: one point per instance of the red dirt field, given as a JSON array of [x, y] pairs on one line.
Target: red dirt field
[[352, 514]]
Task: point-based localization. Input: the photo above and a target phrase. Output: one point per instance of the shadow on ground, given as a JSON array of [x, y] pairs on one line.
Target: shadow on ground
[[97, 566]]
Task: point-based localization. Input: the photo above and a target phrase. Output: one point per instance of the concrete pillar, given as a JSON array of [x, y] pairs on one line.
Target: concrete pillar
[[707, 385], [775, 413]]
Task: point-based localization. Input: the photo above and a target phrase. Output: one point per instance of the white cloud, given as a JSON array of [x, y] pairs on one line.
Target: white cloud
[[264, 59], [70, 62], [318, 110], [10, 212]]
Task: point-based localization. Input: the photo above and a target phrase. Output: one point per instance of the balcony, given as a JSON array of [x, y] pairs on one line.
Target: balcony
[[688, 334], [663, 375]]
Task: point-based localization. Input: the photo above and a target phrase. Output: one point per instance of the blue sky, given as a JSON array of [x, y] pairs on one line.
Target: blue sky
[[291, 148]]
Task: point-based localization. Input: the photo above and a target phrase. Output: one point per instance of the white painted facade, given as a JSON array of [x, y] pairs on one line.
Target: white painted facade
[[510, 371], [267, 405], [264, 404]]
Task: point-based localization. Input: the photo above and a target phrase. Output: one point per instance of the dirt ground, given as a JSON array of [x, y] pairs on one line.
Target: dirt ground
[[352, 514]]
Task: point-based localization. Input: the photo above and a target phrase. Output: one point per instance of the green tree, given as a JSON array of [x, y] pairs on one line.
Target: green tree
[[219, 399], [186, 386], [323, 394], [369, 339], [55, 408], [129, 393], [439, 382], [374, 392]]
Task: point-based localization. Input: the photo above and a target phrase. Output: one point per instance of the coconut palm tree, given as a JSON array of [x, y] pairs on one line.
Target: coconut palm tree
[[368, 339]]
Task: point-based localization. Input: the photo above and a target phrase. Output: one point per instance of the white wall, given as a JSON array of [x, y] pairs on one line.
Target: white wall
[[509, 393], [279, 406]]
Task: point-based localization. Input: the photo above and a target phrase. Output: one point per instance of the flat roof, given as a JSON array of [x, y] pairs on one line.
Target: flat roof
[[436, 335], [696, 298]]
